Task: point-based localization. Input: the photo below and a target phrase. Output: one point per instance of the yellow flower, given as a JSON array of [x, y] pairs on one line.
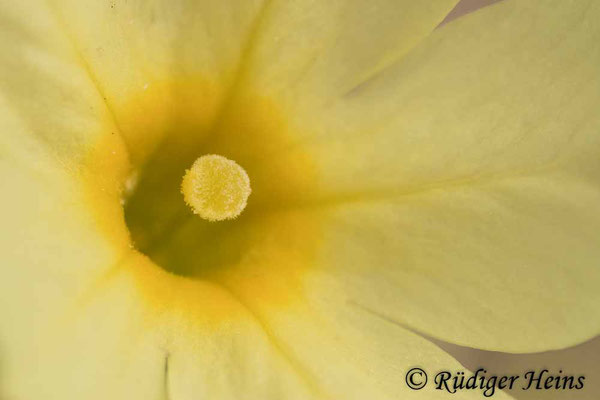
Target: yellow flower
[[402, 181]]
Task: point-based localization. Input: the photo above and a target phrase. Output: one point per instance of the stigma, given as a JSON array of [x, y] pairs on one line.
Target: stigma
[[216, 188]]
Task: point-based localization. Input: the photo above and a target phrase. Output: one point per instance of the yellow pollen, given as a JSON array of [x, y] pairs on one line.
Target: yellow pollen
[[216, 188]]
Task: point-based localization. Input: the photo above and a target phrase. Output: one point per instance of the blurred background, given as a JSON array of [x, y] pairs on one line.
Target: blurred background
[[583, 359]]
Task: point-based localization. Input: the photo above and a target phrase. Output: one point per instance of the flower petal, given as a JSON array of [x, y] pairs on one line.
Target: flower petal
[[59, 161], [163, 67], [56, 138], [50, 105], [141, 333], [163, 54], [342, 349], [511, 88], [507, 265], [316, 50], [467, 178]]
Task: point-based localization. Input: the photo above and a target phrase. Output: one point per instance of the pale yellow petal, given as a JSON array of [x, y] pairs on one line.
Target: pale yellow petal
[[164, 67], [141, 333], [463, 182], [466, 180], [511, 88], [53, 245], [50, 106], [508, 265], [312, 51], [51, 118], [276, 266]]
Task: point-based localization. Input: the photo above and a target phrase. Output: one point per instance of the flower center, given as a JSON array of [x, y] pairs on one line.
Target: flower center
[[217, 156], [216, 188]]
